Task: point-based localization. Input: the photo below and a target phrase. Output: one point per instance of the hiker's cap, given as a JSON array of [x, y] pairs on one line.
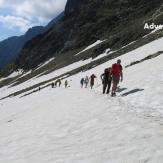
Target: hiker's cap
[[118, 61]]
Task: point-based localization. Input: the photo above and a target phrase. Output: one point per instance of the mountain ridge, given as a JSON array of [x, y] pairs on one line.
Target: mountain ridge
[[11, 47]]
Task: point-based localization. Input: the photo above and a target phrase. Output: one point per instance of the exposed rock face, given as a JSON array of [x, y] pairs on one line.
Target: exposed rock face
[[86, 21], [73, 6]]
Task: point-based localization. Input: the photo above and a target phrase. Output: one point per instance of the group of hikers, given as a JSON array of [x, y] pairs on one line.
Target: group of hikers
[[58, 83], [86, 81], [112, 75]]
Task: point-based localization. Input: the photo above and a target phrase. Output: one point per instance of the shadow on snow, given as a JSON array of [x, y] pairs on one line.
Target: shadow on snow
[[120, 89], [132, 92]]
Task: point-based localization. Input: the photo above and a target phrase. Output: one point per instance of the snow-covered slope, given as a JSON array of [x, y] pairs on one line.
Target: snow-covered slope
[[77, 125], [127, 58], [91, 46], [14, 74]]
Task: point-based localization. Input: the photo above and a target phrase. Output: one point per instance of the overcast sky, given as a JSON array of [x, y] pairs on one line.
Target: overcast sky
[[16, 16]]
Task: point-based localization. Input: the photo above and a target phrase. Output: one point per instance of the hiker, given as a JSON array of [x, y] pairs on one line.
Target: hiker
[[86, 81], [66, 84], [92, 77], [106, 80], [117, 75], [52, 85], [82, 82], [58, 82]]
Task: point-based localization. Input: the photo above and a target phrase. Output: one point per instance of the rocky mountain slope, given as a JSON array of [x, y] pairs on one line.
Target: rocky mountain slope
[[86, 21], [11, 47]]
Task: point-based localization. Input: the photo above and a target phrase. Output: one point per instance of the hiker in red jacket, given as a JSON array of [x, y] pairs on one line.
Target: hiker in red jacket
[[117, 75]]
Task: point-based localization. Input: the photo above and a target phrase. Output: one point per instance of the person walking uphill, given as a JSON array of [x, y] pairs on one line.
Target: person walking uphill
[[117, 75], [66, 83], [86, 81], [52, 85], [58, 81], [92, 81], [82, 82], [106, 80]]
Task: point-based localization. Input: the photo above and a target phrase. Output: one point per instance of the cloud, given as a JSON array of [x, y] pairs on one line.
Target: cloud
[[15, 22], [42, 9], [26, 13]]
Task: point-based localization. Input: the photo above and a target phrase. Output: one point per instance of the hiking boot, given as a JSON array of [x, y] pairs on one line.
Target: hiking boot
[[113, 94]]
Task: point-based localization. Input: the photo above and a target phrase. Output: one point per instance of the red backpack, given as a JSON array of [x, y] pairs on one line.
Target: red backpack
[[116, 69]]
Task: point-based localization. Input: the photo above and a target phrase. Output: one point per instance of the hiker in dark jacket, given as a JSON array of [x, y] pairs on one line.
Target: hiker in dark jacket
[[57, 82], [52, 85], [82, 82], [106, 80], [92, 80], [66, 83]]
